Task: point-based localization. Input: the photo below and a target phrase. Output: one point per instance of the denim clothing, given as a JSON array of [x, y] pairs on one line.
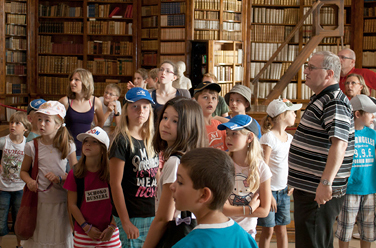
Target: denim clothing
[[9, 199]]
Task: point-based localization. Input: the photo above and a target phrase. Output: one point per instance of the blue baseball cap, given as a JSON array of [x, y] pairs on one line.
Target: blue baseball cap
[[34, 105], [137, 93], [239, 122]]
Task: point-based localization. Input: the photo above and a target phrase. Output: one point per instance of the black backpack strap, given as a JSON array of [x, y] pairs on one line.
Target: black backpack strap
[[80, 182]]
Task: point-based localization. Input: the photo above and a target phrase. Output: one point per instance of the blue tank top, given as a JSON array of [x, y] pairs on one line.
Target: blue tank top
[[78, 122]]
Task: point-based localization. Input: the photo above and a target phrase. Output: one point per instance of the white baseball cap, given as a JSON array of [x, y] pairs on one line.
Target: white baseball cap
[[363, 102], [279, 106], [97, 133], [52, 108]]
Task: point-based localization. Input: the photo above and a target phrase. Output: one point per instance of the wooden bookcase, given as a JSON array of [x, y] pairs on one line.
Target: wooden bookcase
[[150, 38]]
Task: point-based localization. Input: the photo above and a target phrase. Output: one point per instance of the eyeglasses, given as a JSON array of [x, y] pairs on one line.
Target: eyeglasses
[[166, 70], [344, 57], [352, 83], [110, 94], [311, 67]]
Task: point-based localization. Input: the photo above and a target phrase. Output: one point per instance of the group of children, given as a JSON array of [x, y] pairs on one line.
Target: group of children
[[124, 192]]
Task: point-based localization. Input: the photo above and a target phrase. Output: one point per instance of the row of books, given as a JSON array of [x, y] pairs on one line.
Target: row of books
[[15, 100], [15, 19], [52, 85], [232, 26], [225, 88], [172, 20], [268, 33], [109, 27], [149, 10], [228, 56], [101, 66], [173, 8], [149, 58], [310, 2], [106, 10], [207, 4], [16, 7], [174, 58], [290, 92], [276, 2], [46, 45], [12, 69], [369, 42], [13, 88], [369, 58], [370, 11], [61, 27], [149, 33], [263, 51], [369, 25], [288, 30], [59, 10], [206, 35], [173, 34], [110, 47], [273, 71], [15, 43], [226, 73], [15, 30], [120, 1], [279, 16], [203, 14], [232, 16], [15, 56], [232, 5], [228, 35], [202, 24], [172, 47], [148, 22], [58, 64], [149, 45]]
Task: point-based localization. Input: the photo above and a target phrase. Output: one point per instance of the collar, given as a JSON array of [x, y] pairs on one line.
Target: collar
[[330, 88]]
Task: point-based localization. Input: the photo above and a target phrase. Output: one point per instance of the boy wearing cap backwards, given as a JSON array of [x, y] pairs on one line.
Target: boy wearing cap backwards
[[206, 94], [203, 190], [359, 201], [31, 109]]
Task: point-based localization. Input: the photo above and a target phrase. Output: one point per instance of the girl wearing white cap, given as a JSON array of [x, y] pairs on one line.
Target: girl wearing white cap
[[55, 146]]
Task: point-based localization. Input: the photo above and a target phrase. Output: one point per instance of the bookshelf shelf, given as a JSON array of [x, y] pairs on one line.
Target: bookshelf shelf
[[41, 33]]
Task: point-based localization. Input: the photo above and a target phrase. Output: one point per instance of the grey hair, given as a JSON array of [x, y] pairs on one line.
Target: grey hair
[[331, 62], [353, 55]]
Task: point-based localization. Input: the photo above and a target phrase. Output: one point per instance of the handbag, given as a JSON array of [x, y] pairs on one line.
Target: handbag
[[177, 229], [26, 220]]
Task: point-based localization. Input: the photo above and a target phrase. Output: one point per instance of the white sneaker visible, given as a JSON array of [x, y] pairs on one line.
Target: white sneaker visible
[[356, 235]]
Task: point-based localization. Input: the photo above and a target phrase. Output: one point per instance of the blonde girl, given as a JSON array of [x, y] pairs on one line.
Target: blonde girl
[[55, 147], [94, 224], [251, 195], [276, 145], [133, 166]]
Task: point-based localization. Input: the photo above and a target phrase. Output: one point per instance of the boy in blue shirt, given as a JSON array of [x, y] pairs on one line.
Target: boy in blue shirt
[[203, 190], [359, 201]]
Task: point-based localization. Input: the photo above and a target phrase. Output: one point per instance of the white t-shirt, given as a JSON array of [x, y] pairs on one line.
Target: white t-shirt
[[241, 195], [49, 160], [278, 160], [11, 162], [108, 121]]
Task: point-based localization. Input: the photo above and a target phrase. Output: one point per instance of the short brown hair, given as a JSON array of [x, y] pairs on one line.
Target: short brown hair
[[21, 117], [210, 91], [114, 87], [153, 73], [143, 72], [211, 75], [213, 169]]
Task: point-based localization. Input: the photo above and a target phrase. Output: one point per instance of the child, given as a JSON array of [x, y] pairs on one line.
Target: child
[[55, 146], [276, 145], [110, 105], [181, 129], [222, 108], [31, 108], [133, 166], [252, 174], [152, 80], [359, 203], [203, 190], [11, 185], [94, 224], [206, 94], [139, 79]]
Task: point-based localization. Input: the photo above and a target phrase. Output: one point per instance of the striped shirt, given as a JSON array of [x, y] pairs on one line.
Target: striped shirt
[[328, 115]]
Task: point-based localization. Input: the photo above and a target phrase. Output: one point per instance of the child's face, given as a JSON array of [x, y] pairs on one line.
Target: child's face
[[109, 95], [151, 83], [236, 141], [353, 87], [76, 83], [208, 102], [138, 112], [17, 128], [366, 119], [167, 75], [91, 147], [138, 81], [289, 117], [47, 125], [238, 104], [185, 196], [168, 127]]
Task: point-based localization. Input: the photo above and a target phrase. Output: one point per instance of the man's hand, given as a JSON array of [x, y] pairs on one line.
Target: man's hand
[[323, 194]]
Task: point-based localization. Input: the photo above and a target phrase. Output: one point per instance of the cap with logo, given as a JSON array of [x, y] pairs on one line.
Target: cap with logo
[[279, 106], [34, 105], [98, 134], [135, 94], [239, 122], [52, 108], [363, 102], [207, 85]]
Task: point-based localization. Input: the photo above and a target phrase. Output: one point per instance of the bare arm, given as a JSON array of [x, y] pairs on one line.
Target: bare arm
[[221, 119], [25, 176], [64, 101], [99, 112], [267, 151]]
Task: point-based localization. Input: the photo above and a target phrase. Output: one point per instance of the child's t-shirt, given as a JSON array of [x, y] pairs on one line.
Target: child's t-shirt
[[139, 182], [278, 160], [11, 161], [363, 172], [108, 121], [31, 136], [96, 206], [226, 235], [216, 138], [241, 195]]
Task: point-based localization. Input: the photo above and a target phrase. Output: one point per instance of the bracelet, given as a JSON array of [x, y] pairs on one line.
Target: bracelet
[[111, 227], [84, 224], [250, 210], [116, 114], [243, 210], [89, 228], [61, 179]]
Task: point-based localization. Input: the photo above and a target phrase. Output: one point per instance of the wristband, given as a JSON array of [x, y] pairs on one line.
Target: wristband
[[243, 210], [116, 114], [250, 210], [111, 227], [84, 224], [89, 228], [61, 179]]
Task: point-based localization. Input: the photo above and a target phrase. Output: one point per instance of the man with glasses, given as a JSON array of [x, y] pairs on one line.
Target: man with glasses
[[321, 154], [347, 58]]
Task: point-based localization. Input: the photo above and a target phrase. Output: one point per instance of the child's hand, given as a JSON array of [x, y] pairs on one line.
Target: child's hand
[[111, 106], [32, 186], [94, 233], [106, 234], [290, 191], [131, 231], [130, 85], [255, 202], [273, 205], [52, 177]]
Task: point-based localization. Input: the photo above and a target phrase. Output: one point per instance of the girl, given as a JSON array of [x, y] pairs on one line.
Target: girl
[[181, 129], [133, 166], [81, 105], [11, 185], [94, 225], [139, 79], [55, 146], [252, 175], [276, 145]]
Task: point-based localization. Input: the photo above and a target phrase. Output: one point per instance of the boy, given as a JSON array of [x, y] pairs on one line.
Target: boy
[[203, 190], [222, 108], [152, 80], [31, 109], [206, 94], [110, 104], [359, 203]]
